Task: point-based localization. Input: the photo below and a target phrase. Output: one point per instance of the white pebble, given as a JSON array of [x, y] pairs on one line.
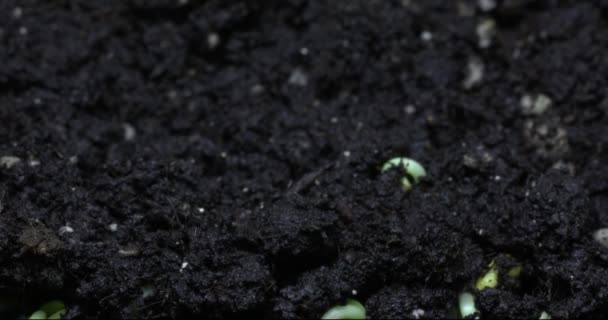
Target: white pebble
[[17, 12], [184, 265], [346, 153], [426, 36], [535, 105], [9, 161], [201, 210], [486, 5], [23, 31], [129, 132], [601, 236], [475, 70], [113, 227], [417, 313], [298, 78], [213, 40], [65, 229], [34, 163], [304, 51], [410, 109], [486, 30]]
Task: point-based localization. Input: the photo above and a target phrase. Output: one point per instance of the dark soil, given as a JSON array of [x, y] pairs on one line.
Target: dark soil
[[227, 154]]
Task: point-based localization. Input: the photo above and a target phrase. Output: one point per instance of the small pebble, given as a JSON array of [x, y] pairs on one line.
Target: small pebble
[[486, 5], [129, 132], [486, 30], [113, 227], [213, 40], [298, 78], [17, 12], [65, 229], [426, 36], [410, 109], [475, 70], [535, 104], [9, 161], [601, 236], [184, 265], [417, 313]]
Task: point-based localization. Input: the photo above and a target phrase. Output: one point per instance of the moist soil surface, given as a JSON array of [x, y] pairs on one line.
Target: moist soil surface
[[165, 158]]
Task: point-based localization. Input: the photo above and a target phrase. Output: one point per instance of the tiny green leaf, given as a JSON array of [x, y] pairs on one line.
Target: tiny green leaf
[[489, 279], [351, 310], [413, 170], [38, 315]]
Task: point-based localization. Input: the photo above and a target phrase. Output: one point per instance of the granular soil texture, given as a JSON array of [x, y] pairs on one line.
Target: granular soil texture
[[166, 158]]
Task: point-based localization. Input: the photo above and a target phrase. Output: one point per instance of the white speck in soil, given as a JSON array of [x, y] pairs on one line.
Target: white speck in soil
[[34, 163], [410, 109], [354, 292], [304, 51], [333, 120], [346, 153], [245, 190], [535, 104], [129, 132], [65, 229], [486, 30], [201, 210], [37, 101], [601, 236], [223, 155], [182, 2], [417, 313], [9, 161], [213, 40], [73, 159], [298, 78], [497, 178], [128, 252], [113, 227], [475, 70], [184, 265], [257, 89], [23, 31], [426, 36], [486, 5], [17, 12]]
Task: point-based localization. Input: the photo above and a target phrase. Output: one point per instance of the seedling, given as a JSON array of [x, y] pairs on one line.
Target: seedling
[[514, 272], [489, 279], [53, 310], [351, 310], [414, 171], [466, 304]]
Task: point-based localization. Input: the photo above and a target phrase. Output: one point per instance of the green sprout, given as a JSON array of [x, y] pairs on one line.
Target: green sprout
[[466, 303], [544, 316], [489, 279], [413, 170], [351, 310], [52, 310], [515, 272]]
